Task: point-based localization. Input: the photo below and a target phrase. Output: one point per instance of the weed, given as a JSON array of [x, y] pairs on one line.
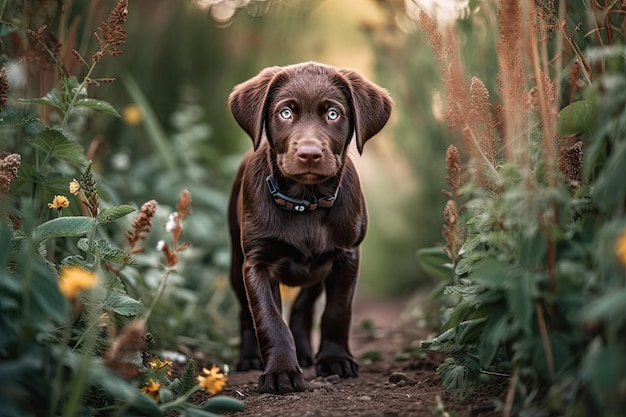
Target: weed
[[538, 280], [73, 340]]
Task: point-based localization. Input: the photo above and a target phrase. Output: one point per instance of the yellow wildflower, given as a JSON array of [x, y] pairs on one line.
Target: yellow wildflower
[[152, 389], [59, 202], [132, 114], [214, 380], [156, 363], [620, 247], [74, 279], [74, 187]]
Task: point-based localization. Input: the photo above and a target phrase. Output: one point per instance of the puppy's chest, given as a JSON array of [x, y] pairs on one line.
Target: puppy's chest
[[315, 236]]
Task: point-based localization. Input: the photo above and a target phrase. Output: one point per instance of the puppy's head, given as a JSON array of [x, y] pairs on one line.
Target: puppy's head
[[309, 113]]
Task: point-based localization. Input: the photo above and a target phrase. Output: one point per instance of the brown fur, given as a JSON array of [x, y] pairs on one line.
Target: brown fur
[[301, 119]]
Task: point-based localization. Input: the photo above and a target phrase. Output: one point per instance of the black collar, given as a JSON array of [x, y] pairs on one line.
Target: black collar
[[294, 204]]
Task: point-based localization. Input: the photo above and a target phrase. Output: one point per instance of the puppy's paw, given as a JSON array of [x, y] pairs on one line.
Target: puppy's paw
[[249, 363], [345, 367], [281, 382]]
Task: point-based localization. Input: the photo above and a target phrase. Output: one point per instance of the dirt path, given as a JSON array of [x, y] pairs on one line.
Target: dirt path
[[388, 386]]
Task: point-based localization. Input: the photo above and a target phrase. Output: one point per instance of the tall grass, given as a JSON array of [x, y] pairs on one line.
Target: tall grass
[[535, 223]]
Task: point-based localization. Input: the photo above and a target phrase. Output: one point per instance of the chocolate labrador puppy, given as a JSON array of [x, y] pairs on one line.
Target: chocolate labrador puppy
[[297, 215]]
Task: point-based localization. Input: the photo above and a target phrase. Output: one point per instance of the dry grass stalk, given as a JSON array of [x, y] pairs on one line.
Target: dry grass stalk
[[453, 234], [142, 225], [468, 111], [4, 86], [512, 83], [526, 91], [571, 164], [46, 47], [174, 226], [9, 167], [112, 34], [130, 342]]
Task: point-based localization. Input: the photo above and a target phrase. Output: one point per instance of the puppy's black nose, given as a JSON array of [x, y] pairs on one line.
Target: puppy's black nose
[[309, 154]]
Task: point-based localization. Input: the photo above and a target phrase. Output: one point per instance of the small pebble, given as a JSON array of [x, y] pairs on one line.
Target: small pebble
[[401, 379], [333, 379]]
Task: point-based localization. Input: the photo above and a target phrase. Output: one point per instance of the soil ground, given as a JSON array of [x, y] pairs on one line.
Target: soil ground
[[390, 384]]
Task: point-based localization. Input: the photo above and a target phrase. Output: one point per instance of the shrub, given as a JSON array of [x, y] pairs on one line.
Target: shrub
[[73, 341], [535, 223]]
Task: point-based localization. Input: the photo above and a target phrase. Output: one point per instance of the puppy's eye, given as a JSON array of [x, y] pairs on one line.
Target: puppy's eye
[[332, 114], [285, 113]]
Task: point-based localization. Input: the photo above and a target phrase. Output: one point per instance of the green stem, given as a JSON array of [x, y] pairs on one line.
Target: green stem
[[58, 374], [154, 129], [91, 240], [79, 380], [84, 335], [159, 292], [180, 400], [70, 107]]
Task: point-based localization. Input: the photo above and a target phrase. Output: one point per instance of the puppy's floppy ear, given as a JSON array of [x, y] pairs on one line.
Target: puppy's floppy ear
[[371, 106], [247, 103]]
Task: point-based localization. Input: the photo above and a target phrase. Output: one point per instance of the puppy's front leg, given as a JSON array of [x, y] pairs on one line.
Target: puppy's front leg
[[334, 356], [282, 373]]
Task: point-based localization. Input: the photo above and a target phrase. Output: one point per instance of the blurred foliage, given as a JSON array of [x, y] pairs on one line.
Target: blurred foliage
[[74, 338], [537, 281], [404, 65]]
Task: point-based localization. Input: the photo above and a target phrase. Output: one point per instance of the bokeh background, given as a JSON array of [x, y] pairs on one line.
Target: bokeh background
[[179, 63], [182, 60]]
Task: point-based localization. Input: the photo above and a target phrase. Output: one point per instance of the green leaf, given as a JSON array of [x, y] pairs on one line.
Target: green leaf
[[457, 338], [122, 391], [54, 98], [63, 227], [458, 376], [110, 253], [532, 250], [74, 260], [609, 192], [105, 251], [187, 381], [166, 396], [16, 117], [459, 314], [222, 404], [191, 411], [576, 118], [113, 213], [5, 243], [469, 331], [611, 306], [519, 297], [56, 144], [123, 304], [47, 301], [492, 274], [435, 262], [454, 376], [498, 331], [100, 106], [603, 369]]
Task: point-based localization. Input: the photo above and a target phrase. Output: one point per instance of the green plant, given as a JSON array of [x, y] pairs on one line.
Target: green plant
[[72, 338], [535, 224]]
